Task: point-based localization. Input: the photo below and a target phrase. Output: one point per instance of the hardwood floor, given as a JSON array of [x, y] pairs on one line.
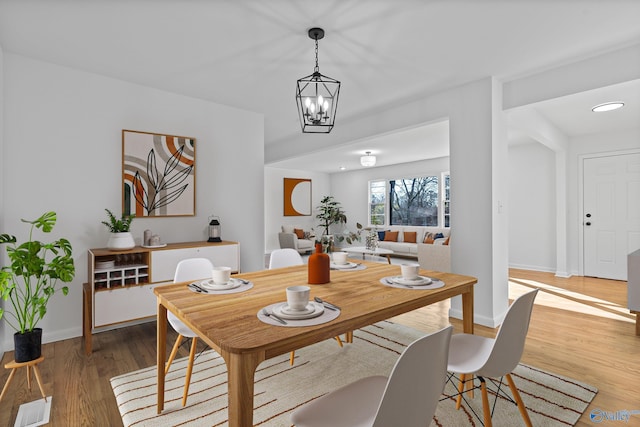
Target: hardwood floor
[[580, 328]]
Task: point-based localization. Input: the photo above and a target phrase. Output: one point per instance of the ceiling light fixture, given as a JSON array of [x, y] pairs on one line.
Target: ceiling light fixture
[[317, 96], [607, 106], [368, 160]]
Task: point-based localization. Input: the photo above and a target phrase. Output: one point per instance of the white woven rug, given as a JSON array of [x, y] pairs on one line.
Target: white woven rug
[[552, 400]]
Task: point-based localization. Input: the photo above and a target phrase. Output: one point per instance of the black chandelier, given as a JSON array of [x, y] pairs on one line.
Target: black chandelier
[[317, 96]]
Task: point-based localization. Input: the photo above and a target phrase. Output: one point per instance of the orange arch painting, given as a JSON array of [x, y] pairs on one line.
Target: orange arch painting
[[297, 197]]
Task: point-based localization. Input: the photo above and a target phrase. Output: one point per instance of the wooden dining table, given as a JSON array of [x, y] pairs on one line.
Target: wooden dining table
[[230, 325]]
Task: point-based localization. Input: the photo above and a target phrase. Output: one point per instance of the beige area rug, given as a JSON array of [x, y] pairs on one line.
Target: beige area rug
[[552, 400]]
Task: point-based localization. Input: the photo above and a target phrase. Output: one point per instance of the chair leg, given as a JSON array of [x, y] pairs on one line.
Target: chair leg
[[519, 402], [339, 341], [174, 351], [460, 391], [187, 378], [292, 356], [485, 403]]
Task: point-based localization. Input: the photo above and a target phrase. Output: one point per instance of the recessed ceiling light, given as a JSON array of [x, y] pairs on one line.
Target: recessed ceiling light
[[607, 106], [343, 168]]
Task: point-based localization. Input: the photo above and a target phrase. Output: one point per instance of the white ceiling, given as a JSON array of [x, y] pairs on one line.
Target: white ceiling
[[249, 53]]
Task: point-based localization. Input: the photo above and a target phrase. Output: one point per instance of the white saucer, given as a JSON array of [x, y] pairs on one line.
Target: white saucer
[[162, 245], [344, 266], [421, 280], [290, 311], [210, 285], [312, 310]]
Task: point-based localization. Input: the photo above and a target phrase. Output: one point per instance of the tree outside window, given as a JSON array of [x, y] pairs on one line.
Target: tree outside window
[[414, 201], [422, 201]]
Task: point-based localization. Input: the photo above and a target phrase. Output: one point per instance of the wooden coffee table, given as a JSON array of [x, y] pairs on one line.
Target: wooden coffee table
[[364, 251]]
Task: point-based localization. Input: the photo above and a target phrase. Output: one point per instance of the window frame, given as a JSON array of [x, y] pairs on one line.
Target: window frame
[[443, 203]]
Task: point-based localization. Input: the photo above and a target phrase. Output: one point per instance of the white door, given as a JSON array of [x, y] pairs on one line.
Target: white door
[[611, 217]]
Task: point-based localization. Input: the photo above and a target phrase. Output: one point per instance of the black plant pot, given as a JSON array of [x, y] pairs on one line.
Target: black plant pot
[[28, 346]]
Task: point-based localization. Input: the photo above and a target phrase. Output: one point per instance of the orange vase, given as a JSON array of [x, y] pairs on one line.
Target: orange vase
[[319, 267]]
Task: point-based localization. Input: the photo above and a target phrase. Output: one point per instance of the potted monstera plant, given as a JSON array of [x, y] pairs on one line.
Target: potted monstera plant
[[30, 280]]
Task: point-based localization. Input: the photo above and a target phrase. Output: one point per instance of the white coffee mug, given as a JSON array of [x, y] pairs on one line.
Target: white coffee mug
[[221, 275], [298, 297], [340, 258], [410, 271]]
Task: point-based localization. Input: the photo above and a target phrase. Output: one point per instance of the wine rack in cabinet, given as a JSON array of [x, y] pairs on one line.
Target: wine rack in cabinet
[[120, 284]]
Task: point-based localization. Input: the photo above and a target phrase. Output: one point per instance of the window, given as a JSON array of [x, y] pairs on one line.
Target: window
[[445, 200], [377, 202], [421, 201]]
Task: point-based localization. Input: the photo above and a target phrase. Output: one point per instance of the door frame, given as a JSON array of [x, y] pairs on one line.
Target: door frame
[[579, 222]]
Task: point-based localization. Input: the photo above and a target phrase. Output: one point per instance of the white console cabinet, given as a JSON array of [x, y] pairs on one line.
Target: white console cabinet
[[120, 284]]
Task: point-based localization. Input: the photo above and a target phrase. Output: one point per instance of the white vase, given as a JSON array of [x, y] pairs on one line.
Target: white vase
[[121, 241]]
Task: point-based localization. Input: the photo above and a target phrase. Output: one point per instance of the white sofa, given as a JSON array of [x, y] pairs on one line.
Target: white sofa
[[408, 249], [289, 239]]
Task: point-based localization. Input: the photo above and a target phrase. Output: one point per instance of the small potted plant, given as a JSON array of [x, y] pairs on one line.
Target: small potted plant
[[30, 280], [120, 238]]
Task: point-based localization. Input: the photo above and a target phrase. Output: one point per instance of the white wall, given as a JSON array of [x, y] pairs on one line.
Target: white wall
[[532, 216], [62, 152], [2, 179], [274, 202]]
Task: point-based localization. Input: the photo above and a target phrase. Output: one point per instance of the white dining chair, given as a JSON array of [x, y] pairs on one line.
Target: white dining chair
[[407, 398], [287, 257], [188, 269], [473, 355], [284, 258]]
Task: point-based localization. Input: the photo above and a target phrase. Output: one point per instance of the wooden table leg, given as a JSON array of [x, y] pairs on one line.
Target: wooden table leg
[[241, 370], [389, 258], [162, 343], [467, 312], [87, 311]]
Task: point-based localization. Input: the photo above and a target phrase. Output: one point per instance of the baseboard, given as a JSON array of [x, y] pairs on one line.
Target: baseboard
[[557, 273], [477, 319], [532, 268]]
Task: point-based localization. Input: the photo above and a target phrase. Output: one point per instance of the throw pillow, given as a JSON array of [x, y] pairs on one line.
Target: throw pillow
[[381, 235], [299, 233], [446, 242], [391, 236], [428, 238], [410, 236], [438, 236]]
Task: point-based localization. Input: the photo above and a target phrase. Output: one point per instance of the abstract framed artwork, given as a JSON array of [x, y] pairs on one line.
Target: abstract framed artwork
[[158, 174], [297, 197]]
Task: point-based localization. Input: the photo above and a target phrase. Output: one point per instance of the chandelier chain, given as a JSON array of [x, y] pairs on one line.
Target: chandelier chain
[[316, 69]]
